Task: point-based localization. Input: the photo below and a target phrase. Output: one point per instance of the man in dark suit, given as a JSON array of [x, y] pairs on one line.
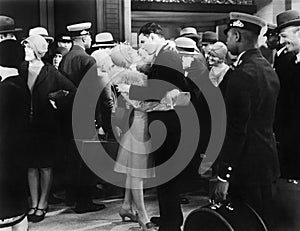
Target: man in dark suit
[[248, 163], [287, 66], [74, 66], [167, 67]]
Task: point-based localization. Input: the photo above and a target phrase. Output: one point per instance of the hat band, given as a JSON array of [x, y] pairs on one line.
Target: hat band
[[105, 42], [79, 33], [187, 49], [236, 23], [7, 27]]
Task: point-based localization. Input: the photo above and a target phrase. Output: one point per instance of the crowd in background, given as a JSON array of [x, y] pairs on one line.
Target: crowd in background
[[40, 76]]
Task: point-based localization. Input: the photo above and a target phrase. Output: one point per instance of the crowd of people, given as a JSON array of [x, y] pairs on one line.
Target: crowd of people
[[40, 76]]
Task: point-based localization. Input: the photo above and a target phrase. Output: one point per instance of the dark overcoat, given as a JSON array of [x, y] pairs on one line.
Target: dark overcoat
[[14, 121], [45, 129]]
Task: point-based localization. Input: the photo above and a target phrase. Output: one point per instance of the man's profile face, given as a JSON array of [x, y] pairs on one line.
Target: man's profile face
[[290, 38], [231, 42], [147, 43]]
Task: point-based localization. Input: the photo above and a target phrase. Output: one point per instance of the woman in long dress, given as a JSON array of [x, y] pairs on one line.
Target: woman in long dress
[[133, 159]]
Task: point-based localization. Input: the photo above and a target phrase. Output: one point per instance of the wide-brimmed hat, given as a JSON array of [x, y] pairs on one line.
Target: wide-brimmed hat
[[41, 31], [7, 25], [104, 39], [186, 45], [209, 37], [190, 32], [288, 18]]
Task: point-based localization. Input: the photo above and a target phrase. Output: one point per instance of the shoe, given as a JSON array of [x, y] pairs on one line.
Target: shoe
[[88, 207], [155, 221], [125, 213], [30, 217], [149, 226], [38, 218], [184, 200]]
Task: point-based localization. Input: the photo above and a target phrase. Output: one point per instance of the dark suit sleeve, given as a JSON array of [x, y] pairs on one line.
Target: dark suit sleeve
[[238, 103], [167, 68], [63, 83]]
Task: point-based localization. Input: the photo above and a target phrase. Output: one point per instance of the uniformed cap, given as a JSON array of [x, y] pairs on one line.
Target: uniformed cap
[[246, 22], [79, 29]]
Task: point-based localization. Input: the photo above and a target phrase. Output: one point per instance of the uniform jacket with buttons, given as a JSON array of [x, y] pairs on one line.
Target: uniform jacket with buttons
[[249, 152]]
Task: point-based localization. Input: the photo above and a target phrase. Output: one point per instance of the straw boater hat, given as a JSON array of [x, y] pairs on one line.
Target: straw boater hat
[[7, 25], [41, 31], [104, 39], [288, 18]]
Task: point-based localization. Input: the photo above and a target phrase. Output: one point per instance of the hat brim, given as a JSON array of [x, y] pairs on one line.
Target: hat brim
[[105, 45], [14, 30], [295, 22], [195, 36], [48, 38]]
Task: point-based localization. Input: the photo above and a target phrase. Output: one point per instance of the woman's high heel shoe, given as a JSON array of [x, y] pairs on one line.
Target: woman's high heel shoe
[[125, 213]]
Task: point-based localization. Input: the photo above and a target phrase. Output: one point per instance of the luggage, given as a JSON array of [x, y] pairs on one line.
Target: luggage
[[224, 217], [287, 212]]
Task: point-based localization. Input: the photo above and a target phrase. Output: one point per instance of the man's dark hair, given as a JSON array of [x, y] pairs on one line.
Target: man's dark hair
[[151, 27]]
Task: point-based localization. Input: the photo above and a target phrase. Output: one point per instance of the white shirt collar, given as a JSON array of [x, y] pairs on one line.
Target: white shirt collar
[[238, 61], [297, 58], [7, 72]]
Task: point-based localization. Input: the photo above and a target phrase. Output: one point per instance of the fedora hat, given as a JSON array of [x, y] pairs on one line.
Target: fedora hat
[[186, 45], [41, 31], [287, 18], [104, 39], [209, 37], [7, 25], [190, 32]]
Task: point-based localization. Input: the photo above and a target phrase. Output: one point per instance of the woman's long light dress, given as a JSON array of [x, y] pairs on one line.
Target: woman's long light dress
[[134, 156]]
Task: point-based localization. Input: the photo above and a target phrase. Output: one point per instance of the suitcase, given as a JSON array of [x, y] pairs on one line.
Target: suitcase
[[287, 212], [224, 217]]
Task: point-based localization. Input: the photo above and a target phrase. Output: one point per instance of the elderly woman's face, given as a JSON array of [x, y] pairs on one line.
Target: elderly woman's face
[[29, 53]]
